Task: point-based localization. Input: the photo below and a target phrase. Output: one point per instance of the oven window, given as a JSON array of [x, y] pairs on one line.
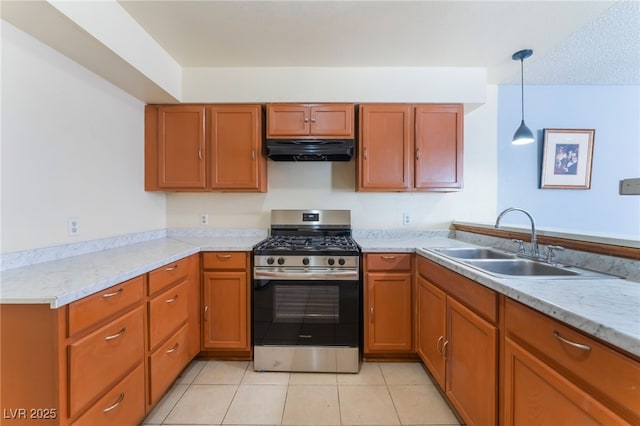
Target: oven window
[[306, 303]]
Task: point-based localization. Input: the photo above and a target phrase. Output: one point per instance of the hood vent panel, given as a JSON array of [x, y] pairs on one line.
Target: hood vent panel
[[310, 149]]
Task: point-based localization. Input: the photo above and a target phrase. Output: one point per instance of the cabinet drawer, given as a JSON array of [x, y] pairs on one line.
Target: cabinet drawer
[[167, 362], [100, 306], [122, 405], [168, 274], [99, 359], [224, 260], [166, 312], [605, 372], [388, 261]]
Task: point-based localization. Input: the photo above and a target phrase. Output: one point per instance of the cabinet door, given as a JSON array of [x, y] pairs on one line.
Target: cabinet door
[[386, 141], [387, 324], [287, 120], [332, 121], [235, 158], [471, 371], [536, 394], [181, 148], [226, 320], [431, 322], [438, 154]]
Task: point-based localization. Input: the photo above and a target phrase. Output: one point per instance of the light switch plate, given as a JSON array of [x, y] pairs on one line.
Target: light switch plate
[[630, 186]]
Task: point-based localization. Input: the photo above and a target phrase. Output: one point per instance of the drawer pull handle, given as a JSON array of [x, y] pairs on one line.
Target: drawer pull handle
[[174, 348], [173, 299], [118, 334], [223, 256], [171, 268], [388, 257], [115, 404], [444, 349], [438, 348], [114, 293], [570, 343]]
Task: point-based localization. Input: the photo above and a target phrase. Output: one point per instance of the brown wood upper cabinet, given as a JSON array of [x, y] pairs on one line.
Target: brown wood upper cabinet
[[204, 148], [405, 147], [308, 121]]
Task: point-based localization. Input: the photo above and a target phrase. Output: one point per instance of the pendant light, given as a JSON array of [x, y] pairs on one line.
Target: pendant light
[[523, 135]]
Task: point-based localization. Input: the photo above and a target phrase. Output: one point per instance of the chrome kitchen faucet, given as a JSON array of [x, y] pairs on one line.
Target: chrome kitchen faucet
[[535, 251]]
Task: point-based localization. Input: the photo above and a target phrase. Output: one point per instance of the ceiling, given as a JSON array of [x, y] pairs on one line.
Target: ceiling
[[574, 42]]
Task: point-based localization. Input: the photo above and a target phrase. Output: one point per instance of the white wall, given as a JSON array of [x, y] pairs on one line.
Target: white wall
[[72, 146], [332, 186]]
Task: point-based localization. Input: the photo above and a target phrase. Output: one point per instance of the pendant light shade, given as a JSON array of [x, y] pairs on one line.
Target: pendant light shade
[[523, 135]]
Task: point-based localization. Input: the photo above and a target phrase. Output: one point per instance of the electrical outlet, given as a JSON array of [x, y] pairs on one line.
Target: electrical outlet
[[73, 226], [204, 219], [406, 219]]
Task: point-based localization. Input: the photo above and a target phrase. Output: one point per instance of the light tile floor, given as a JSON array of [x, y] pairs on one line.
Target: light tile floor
[[231, 393]]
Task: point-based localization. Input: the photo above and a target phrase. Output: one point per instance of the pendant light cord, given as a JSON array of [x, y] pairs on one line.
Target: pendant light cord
[[522, 85]]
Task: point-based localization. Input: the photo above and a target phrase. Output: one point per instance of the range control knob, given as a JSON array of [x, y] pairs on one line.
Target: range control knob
[[281, 261], [341, 261], [270, 261], [331, 261], [305, 261]]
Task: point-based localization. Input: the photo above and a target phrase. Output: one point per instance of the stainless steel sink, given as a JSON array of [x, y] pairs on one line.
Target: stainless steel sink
[[522, 267], [509, 265], [475, 253]]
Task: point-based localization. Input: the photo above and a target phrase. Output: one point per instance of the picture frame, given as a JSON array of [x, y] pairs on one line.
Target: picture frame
[[567, 157]]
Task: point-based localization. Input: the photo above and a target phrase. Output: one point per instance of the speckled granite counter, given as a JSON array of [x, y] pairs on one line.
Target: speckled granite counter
[[583, 303], [63, 281]]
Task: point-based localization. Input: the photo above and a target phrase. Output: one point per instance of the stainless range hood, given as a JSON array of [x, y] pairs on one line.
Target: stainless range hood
[[309, 149]]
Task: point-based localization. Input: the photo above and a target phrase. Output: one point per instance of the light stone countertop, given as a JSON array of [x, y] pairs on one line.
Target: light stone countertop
[[608, 309], [63, 281], [583, 303]]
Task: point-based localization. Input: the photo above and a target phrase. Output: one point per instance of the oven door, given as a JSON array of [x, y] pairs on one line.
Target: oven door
[[300, 312]]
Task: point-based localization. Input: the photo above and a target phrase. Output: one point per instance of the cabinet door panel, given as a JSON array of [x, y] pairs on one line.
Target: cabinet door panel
[[386, 139], [235, 154], [438, 156], [388, 312], [226, 311], [431, 314], [535, 394], [181, 148], [287, 120], [471, 372], [332, 121]]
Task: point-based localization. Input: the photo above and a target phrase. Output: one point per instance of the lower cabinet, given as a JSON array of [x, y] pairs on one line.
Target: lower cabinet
[[457, 339], [554, 374], [387, 304], [226, 302], [105, 359]]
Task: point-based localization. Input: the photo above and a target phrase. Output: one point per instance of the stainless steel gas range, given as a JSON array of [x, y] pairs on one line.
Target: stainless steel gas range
[[306, 294]]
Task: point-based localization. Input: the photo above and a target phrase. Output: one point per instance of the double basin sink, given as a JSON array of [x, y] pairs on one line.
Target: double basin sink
[[509, 265]]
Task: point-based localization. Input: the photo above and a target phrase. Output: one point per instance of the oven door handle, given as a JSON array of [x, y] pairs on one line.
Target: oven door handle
[[306, 275]]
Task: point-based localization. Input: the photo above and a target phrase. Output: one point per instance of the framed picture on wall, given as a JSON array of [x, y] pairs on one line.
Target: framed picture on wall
[[566, 158]]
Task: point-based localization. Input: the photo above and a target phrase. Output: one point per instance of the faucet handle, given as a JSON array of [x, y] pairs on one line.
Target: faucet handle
[[520, 245], [551, 256]]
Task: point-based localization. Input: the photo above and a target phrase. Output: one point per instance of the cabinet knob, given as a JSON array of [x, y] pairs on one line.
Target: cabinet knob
[[444, 349], [418, 154], [438, 348], [371, 315], [313, 120], [306, 119], [366, 153]]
